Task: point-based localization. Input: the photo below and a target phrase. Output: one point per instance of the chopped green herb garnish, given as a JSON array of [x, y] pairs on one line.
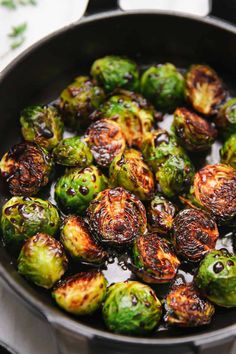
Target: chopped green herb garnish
[[12, 4], [17, 35]]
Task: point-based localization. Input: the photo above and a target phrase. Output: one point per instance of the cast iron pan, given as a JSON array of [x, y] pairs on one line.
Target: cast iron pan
[[39, 75]]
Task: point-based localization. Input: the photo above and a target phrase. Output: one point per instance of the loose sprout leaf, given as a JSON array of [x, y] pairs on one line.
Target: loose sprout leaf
[[13, 4], [17, 31], [17, 43]]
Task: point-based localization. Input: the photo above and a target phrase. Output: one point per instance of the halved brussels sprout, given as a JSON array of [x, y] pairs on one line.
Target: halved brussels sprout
[[129, 171], [186, 308], [73, 152], [26, 167], [116, 216], [164, 86], [42, 260], [204, 89], [42, 125], [228, 151], [114, 72], [131, 307], [75, 190], [154, 260], [193, 132], [226, 118], [106, 140], [79, 242], [216, 278], [194, 234], [82, 293]]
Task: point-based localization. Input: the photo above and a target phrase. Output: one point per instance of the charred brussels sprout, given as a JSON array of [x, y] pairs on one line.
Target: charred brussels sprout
[[131, 308], [228, 151], [42, 260], [154, 260], [204, 89], [75, 190], [192, 131], [78, 241], [164, 86], [26, 167], [106, 140], [226, 118], [129, 171], [116, 217], [42, 125], [216, 278], [82, 293], [194, 234], [186, 308], [114, 72], [73, 152], [79, 100]]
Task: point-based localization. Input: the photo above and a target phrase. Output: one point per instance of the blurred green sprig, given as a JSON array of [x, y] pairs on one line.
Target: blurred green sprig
[[13, 4], [17, 35]]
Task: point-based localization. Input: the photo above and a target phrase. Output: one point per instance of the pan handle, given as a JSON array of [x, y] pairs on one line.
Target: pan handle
[[96, 6]]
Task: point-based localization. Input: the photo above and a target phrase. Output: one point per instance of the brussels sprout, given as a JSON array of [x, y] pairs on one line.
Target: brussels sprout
[[75, 190], [228, 151], [42, 260], [73, 152], [154, 260], [79, 100], [194, 234], [160, 213], [106, 140], [216, 278], [26, 167], [116, 216], [164, 86], [204, 89], [186, 308], [131, 307], [42, 125], [79, 242], [192, 131], [226, 118], [82, 293], [129, 171], [114, 72], [23, 217]]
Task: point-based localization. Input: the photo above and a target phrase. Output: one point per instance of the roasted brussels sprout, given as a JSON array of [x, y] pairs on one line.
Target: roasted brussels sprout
[[42, 260], [26, 167], [194, 234], [75, 190], [164, 86], [216, 278], [160, 214], [73, 152], [82, 293], [154, 260], [228, 151], [114, 72], [129, 171], [116, 216], [79, 100], [23, 217], [42, 125], [131, 308], [193, 132], [106, 140], [78, 241], [204, 89], [226, 118], [186, 308]]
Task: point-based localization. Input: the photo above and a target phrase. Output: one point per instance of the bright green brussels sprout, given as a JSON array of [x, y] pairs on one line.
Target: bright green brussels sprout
[[42, 260], [130, 172], [193, 132], [228, 151], [79, 242], [114, 72], [82, 293], [164, 86], [23, 217], [26, 167], [216, 278], [42, 125], [226, 118], [73, 152], [79, 100], [75, 190], [131, 307]]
